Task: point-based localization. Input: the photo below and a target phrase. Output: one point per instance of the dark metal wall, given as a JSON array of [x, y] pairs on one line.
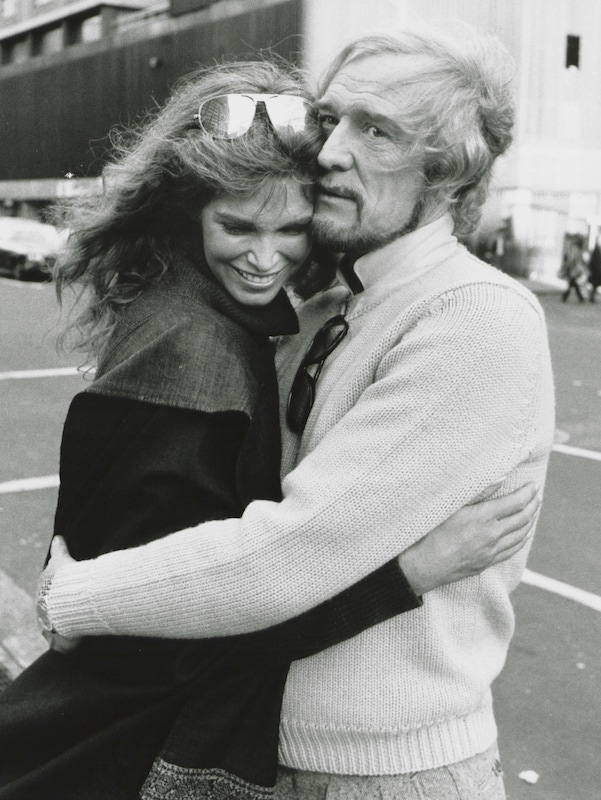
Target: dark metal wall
[[54, 119]]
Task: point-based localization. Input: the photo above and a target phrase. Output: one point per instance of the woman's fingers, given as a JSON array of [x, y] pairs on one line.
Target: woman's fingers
[[60, 643], [509, 504], [59, 551], [522, 519], [516, 531]]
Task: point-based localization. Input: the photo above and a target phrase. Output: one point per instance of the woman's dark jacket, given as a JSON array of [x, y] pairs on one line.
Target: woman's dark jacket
[[179, 426]]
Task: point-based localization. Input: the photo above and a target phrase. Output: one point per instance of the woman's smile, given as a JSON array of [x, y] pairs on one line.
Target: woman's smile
[[260, 280]]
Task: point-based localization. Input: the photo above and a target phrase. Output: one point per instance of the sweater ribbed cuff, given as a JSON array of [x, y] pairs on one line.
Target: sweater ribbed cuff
[[70, 604]]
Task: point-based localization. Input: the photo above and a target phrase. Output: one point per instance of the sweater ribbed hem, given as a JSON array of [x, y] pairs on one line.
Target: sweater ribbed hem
[[348, 752]]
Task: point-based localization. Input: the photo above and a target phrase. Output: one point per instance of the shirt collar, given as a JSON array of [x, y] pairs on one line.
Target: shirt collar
[[407, 257]]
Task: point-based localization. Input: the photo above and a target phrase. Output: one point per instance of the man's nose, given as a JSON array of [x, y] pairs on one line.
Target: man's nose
[[336, 152], [264, 255]]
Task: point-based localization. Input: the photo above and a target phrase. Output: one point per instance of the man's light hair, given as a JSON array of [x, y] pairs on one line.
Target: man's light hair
[[462, 118]]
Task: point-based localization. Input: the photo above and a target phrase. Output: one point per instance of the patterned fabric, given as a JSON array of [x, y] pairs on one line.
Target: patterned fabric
[[169, 781], [476, 778]]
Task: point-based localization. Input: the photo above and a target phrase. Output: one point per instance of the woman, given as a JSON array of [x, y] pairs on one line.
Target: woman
[[182, 266]]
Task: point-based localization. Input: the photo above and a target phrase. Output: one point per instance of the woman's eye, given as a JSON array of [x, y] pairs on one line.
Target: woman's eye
[[303, 230], [327, 121]]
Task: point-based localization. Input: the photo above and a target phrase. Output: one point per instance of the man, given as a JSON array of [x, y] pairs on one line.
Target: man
[[441, 384]]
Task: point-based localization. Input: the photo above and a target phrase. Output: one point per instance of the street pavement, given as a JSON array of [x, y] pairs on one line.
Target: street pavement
[[547, 698]]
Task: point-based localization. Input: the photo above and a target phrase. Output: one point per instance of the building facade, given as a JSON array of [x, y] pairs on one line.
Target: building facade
[[59, 101], [71, 69]]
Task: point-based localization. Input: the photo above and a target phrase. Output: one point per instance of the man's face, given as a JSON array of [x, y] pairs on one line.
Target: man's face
[[371, 186]]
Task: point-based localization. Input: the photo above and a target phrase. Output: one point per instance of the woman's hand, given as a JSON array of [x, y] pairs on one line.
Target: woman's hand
[[474, 538], [59, 556]]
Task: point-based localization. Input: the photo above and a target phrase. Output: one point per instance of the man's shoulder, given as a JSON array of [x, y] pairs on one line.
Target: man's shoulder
[[475, 283]]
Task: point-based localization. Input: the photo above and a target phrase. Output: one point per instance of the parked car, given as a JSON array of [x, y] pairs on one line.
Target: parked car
[[28, 248]]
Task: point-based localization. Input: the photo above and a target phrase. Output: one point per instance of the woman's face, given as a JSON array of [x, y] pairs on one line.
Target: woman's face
[[253, 245]]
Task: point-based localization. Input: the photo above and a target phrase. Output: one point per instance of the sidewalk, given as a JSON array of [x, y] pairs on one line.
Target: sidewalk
[[20, 640]]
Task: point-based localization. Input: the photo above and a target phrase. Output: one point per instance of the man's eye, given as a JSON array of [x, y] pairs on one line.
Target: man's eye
[[375, 132], [234, 231]]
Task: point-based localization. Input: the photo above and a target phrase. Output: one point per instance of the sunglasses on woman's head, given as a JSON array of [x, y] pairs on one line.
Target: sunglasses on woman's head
[[229, 116], [302, 393]]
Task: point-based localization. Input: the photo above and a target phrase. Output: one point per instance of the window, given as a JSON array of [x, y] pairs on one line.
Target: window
[[48, 40], [83, 29], [15, 51], [573, 52], [91, 29], [9, 8]]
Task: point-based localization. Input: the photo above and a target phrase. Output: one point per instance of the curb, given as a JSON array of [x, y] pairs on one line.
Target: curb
[[20, 639]]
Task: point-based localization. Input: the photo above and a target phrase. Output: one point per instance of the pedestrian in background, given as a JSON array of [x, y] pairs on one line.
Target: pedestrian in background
[[573, 269], [594, 270]]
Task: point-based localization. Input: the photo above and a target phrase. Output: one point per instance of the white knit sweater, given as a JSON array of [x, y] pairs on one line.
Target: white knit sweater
[[442, 385]]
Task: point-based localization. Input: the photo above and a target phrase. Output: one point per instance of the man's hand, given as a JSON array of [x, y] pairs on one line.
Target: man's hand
[[59, 556], [474, 538]]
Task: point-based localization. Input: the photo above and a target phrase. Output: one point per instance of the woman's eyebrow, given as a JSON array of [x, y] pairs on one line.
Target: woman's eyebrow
[[234, 219]]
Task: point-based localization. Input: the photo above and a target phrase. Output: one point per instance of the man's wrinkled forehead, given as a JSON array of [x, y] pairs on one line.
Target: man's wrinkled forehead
[[389, 77]]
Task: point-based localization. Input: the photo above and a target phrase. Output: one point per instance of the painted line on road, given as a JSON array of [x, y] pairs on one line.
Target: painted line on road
[[30, 484], [564, 589], [56, 372], [37, 287], [577, 451]]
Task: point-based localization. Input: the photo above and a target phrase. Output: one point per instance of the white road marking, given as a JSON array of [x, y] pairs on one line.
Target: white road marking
[[29, 484], [56, 372], [593, 455], [564, 589], [37, 287]]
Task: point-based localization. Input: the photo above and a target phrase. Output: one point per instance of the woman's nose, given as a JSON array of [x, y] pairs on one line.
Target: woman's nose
[[265, 255], [336, 151]]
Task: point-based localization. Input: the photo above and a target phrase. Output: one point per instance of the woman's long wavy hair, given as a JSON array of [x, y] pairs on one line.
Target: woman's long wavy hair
[[161, 176], [461, 119]]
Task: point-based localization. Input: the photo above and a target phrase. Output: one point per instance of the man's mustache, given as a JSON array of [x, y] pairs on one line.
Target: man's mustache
[[341, 191]]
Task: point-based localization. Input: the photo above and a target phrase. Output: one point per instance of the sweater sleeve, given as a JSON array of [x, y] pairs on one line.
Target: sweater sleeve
[[455, 404]]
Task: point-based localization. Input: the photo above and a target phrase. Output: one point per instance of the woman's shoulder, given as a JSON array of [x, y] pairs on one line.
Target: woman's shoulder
[[178, 352]]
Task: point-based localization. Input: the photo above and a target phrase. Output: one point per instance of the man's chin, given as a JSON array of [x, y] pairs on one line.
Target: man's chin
[[333, 235]]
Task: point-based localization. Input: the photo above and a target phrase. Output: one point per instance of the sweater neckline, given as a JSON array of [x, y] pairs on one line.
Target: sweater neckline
[[408, 257]]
